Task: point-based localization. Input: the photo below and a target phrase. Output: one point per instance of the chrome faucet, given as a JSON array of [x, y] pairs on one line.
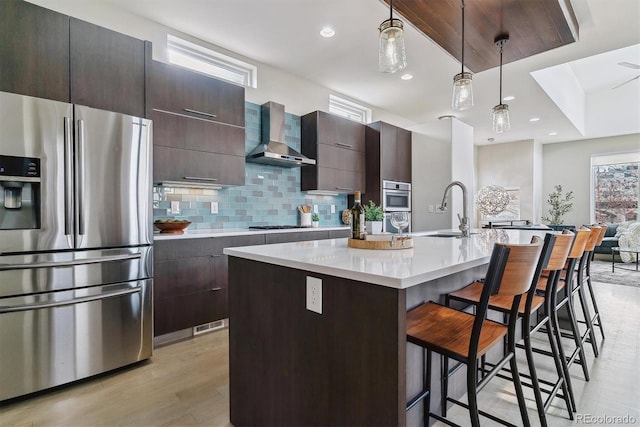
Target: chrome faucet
[[464, 220]]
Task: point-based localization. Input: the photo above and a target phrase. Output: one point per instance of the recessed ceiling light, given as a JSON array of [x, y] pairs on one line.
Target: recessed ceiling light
[[554, 133], [509, 98], [534, 119], [406, 76], [327, 32]]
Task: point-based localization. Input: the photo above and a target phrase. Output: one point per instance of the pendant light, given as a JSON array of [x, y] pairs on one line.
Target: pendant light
[[501, 121], [462, 82], [392, 56]]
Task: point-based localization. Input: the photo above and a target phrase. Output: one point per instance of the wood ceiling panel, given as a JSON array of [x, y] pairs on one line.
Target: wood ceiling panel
[[533, 26]]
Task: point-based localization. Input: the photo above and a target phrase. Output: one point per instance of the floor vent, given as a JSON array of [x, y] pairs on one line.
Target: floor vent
[[210, 327]]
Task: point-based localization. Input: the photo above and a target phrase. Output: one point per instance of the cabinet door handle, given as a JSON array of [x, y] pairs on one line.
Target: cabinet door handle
[[343, 188], [340, 144], [198, 178], [189, 110], [215, 289]]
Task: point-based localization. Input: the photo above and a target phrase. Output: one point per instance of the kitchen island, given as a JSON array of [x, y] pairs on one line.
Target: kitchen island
[[349, 364]]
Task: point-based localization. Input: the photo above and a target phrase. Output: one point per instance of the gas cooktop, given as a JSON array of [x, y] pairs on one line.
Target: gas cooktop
[[273, 227]]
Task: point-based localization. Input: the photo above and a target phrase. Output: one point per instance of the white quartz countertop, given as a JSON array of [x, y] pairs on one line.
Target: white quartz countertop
[[227, 232], [429, 259]]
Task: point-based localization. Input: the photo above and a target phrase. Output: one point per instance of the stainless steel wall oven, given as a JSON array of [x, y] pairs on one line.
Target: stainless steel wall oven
[[396, 196]]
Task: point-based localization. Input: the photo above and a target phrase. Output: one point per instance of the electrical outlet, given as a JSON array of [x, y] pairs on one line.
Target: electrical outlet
[[314, 294], [175, 207], [315, 208], [214, 207], [430, 208], [333, 208]]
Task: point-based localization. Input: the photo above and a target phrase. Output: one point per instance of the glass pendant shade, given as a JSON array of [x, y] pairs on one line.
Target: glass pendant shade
[[501, 121], [462, 91], [492, 199], [392, 55]]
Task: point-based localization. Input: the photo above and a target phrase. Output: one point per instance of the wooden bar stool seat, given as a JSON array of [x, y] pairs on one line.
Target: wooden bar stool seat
[[473, 292], [466, 338]]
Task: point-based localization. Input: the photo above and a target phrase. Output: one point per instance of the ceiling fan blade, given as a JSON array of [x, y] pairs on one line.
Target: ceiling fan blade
[[628, 81], [629, 65]]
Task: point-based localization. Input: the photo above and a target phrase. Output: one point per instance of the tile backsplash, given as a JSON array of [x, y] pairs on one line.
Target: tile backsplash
[[270, 196]]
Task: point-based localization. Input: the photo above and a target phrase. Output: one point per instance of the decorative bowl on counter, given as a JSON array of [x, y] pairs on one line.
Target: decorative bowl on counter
[[175, 226]]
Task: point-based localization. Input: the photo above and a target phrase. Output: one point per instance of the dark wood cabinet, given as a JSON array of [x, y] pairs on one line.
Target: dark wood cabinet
[[388, 157], [181, 91], [199, 134], [171, 130], [338, 145], [34, 51], [191, 276], [49, 55], [107, 69]]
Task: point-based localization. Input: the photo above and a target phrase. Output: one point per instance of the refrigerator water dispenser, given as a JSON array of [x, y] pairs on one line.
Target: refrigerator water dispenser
[[20, 195]]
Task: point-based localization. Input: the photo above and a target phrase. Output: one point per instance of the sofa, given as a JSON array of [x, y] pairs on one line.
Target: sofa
[[610, 240], [625, 235]]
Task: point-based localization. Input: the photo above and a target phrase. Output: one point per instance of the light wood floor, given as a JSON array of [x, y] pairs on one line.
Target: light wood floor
[[187, 383]]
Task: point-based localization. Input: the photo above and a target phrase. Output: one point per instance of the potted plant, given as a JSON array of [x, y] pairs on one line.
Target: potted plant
[[559, 205], [373, 217], [315, 220]]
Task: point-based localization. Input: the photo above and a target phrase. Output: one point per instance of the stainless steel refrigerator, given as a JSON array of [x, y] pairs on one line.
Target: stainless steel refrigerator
[[76, 234]]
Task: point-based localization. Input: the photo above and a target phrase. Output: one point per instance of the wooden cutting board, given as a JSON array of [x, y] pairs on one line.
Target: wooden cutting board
[[401, 243]]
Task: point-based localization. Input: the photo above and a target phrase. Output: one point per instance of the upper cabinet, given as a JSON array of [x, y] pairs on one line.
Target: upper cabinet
[[395, 151], [338, 145], [182, 91], [34, 51], [388, 157], [50, 55], [198, 127], [107, 69]]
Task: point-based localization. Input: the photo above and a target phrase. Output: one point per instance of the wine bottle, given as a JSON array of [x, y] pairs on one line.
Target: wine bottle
[[357, 218]]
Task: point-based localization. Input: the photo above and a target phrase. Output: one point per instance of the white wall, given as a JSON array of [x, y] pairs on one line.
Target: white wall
[[511, 164], [430, 174], [435, 164], [299, 96], [569, 164], [462, 169]]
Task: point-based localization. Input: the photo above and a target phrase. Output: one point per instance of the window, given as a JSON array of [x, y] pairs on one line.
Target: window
[[350, 110], [207, 61], [615, 190]]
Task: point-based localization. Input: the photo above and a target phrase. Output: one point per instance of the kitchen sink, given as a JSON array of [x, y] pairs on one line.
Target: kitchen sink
[[446, 234]]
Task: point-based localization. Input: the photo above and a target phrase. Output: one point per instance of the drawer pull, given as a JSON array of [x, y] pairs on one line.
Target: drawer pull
[[215, 289], [202, 113], [344, 145], [343, 188], [198, 178]]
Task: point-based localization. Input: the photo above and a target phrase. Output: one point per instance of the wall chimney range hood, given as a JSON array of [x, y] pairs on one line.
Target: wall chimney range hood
[[272, 150]]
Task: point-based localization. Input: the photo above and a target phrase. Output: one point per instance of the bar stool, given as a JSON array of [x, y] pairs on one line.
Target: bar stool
[[466, 337], [565, 283], [596, 320], [582, 281], [552, 259]]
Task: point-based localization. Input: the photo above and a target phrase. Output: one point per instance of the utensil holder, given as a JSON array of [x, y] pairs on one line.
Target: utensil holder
[[305, 219]]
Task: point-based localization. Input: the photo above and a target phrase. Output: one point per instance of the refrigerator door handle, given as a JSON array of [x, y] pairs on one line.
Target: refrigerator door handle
[[80, 177], [68, 182], [53, 264], [38, 306]]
